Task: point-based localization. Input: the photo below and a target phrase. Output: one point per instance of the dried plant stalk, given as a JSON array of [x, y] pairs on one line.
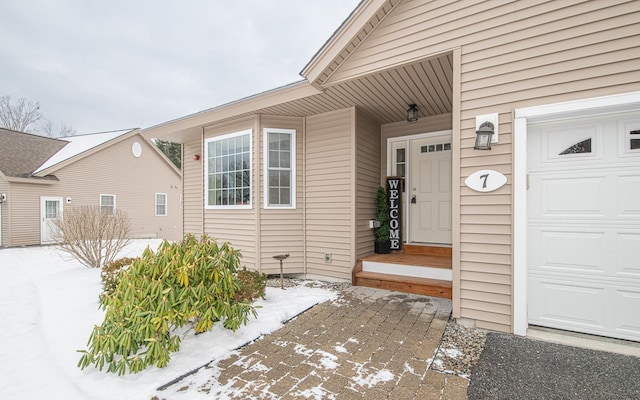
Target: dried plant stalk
[[92, 236]]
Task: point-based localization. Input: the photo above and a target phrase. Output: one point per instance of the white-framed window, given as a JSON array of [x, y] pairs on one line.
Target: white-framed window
[[108, 204], [228, 170], [279, 168], [161, 204]]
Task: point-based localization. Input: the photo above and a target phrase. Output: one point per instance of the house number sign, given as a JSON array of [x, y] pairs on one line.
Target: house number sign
[[485, 180]]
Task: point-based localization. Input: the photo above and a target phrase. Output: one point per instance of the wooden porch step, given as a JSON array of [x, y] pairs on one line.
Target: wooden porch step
[[406, 284], [420, 250]]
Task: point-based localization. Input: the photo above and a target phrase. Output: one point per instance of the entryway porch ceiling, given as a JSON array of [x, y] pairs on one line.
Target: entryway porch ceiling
[[384, 95]]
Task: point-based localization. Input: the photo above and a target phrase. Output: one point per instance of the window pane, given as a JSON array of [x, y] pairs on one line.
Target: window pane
[[273, 159], [246, 141], [274, 141], [285, 142], [246, 160], [285, 195], [51, 209], [400, 154], [579, 148], [274, 179], [285, 159], [401, 170], [274, 196], [285, 179]]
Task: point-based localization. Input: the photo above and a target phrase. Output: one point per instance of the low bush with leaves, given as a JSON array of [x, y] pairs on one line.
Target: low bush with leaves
[[190, 283], [252, 285], [110, 274]]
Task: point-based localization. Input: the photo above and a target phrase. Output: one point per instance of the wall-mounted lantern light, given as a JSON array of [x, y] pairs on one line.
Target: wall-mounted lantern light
[[483, 136], [412, 113], [196, 157], [3, 198]]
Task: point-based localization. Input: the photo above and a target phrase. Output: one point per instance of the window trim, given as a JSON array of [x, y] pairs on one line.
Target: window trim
[[265, 169], [166, 208], [114, 202], [206, 171]]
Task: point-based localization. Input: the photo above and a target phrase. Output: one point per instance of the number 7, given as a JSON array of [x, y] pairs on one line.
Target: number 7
[[484, 180]]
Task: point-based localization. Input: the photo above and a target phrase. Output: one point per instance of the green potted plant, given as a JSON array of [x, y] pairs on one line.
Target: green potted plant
[[381, 233]]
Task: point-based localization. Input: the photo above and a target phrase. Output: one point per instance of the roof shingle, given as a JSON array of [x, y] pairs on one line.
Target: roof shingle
[[22, 153]]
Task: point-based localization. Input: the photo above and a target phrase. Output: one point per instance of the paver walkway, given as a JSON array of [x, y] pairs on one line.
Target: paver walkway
[[368, 344]]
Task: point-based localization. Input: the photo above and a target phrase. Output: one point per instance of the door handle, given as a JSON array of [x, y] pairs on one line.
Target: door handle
[[413, 199]]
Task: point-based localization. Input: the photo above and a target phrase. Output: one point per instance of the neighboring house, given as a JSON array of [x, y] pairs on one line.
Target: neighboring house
[[40, 177], [295, 169]]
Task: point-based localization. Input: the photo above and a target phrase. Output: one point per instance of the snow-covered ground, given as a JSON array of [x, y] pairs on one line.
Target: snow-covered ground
[[49, 305]]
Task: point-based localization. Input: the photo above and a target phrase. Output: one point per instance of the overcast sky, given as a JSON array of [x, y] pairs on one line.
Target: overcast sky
[[115, 64]]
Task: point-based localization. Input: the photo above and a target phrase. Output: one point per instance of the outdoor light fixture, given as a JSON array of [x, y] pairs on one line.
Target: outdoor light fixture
[[412, 113], [483, 136], [3, 198], [196, 157]]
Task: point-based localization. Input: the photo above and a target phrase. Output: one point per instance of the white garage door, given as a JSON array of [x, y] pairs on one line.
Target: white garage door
[[584, 225]]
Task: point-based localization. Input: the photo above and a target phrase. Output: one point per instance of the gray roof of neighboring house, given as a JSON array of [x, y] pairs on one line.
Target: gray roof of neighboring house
[[22, 153]]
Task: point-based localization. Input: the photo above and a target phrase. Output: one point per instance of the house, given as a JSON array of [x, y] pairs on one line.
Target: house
[[40, 177], [542, 221]]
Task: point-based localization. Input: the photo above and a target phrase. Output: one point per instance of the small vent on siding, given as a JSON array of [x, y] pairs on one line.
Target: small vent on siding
[[430, 148]]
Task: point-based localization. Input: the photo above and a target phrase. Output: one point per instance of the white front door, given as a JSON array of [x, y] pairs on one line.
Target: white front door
[[584, 225], [51, 208], [429, 191]]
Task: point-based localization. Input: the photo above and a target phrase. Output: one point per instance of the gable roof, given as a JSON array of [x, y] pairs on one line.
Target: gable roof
[[384, 91], [21, 153], [76, 145]]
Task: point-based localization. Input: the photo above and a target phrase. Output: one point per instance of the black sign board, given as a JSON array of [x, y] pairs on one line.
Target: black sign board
[[394, 186]]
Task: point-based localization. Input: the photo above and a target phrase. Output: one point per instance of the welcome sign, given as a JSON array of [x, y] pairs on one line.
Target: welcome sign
[[393, 200]]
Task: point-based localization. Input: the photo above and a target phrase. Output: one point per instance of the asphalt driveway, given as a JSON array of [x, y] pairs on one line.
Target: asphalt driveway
[[513, 367]]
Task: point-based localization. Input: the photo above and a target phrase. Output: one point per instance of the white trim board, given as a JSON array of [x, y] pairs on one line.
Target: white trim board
[[442, 274]]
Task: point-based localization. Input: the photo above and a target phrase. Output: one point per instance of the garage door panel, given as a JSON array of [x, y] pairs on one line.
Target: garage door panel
[[577, 251], [565, 304], [565, 142], [628, 252], [627, 323], [576, 196], [629, 195]]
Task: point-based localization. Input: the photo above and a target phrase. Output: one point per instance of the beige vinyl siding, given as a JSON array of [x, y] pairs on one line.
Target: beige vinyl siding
[[328, 203], [237, 226], [24, 204], [4, 215], [513, 54], [193, 187], [134, 181], [367, 180], [282, 231]]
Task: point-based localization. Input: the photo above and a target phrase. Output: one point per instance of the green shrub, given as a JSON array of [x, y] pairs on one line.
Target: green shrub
[[252, 285], [191, 282], [111, 272]]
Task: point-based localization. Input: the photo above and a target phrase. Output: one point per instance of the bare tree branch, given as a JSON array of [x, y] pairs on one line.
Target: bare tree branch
[[91, 236], [20, 115]]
